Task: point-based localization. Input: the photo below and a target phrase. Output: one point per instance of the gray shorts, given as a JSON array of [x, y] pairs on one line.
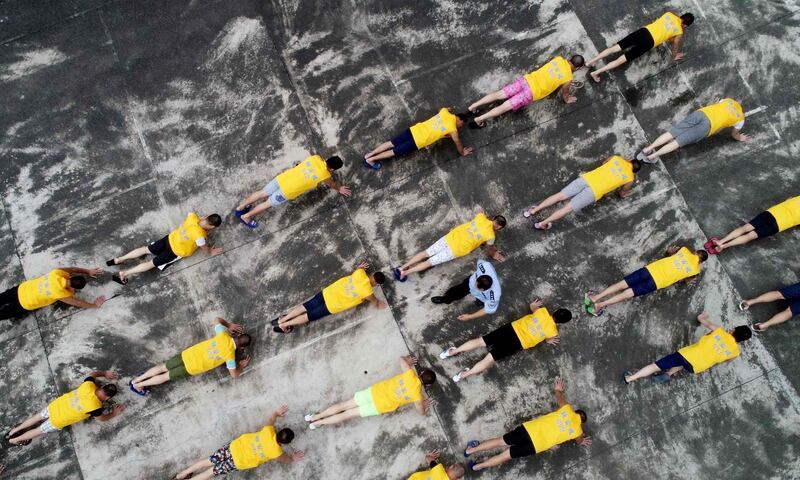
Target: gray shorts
[[46, 426], [691, 129], [579, 193], [273, 191]]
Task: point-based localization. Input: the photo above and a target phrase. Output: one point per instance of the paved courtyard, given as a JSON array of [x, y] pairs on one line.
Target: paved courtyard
[[117, 118]]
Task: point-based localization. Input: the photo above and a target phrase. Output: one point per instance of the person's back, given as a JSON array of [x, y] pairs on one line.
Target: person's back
[[713, 348], [786, 213], [210, 354], [546, 79], [535, 328], [679, 266], [434, 129], [303, 177], [347, 292], [667, 27], [74, 406], [466, 237], [183, 239], [554, 428], [45, 290], [253, 449], [608, 177], [723, 114], [400, 390]]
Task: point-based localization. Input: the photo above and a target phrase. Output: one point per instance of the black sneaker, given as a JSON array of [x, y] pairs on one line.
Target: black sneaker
[[437, 300]]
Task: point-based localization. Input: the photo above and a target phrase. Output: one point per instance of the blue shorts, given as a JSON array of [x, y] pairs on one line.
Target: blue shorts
[[674, 360], [404, 144], [792, 296], [273, 191], [641, 282], [316, 308]]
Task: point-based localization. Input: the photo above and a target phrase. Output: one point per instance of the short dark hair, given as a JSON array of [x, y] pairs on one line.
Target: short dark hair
[[577, 61], [581, 414], [335, 162], [77, 282], [687, 19], [284, 436], [214, 219], [464, 116], [742, 333], [243, 340], [500, 220], [702, 255], [379, 278], [562, 315], [428, 377], [484, 282], [636, 164], [109, 389]]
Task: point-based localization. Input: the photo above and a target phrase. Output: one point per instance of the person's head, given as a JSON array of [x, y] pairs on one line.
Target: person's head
[[106, 391], [702, 255], [284, 436], [562, 315], [427, 377], [462, 118], [455, 472], [77, 282], [636, 164], [741, 333], [210, 222], [334, 163], [577, 61], [687, 19], [242, 340], [378, 278], [581, 414], [483, 282], [498, 222]]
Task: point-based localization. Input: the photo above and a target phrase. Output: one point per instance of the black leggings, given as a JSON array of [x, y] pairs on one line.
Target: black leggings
[[457, 292], [9, 305]]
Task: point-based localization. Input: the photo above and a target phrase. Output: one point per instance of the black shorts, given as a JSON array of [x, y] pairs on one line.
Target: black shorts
[[520, 442], [637, 44], [404, 144], [10, 306], [764, 224], [162, 251], [316, 308], [503, 342]]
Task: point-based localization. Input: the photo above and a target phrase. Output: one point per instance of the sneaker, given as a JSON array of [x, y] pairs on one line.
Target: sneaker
[[457, 376], [471, 444], [312, 426], [437, 300], [591, 310], [398, 276], [308, 417], [446, 353], [587, 300]]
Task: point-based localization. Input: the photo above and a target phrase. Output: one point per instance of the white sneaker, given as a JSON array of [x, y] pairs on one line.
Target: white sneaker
[[309, 417], [446, 353], [457, 376], [312, 426]]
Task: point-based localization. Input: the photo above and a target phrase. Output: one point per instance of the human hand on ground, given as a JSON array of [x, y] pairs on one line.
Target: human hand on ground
[[410, 360], [298, 455], [464, 317], [380, 305], [427, 404], [99, 301], [744, 137], [118, 409], [431, 456], [571, 99], [94, 272], [344, 191], [678, 56], [553, 341], [216, 251], [468, 151], [363, 265], [236, 328], [281, 411], [559, 385], [498, 255], [703, 317], [536, 304], [245, 362], [111, 375], [585, 441]]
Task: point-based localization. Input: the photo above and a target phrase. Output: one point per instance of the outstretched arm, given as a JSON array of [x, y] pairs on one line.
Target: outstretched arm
[[294, 457], [626, 190], [211, 251], [109, 374], [566, 93], [465, 317], [424, 405], [233, 327], [77, 302], [339, 188], [118, 409], [373, 300], [705, 321], [558, 389], [92, 272], [494, 252], [407, 362], [737, 135], [281, 411], [461, 150], [676, 46]]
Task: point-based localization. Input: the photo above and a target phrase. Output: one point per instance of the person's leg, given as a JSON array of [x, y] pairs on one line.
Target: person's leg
[[28, 423], [548, 202], [152, 372], [737, 233], [456, 292], [625, 295], [768, 297], [29, 435], [661, 140], [609, 66], [501, 109], [381, 156], [251, 199], [261, 207], [557, 215], [608, 51], [379, 149], [776, 319], [335, 409], [741, 240], [206, 474], [494, 461], [491, 444], [200, 465], [617, 287], [416, 259], [468, 346], [141, 268], [137, 253], [152, 381], [668, 148], [339, 417], [484, 364], [293, 312], [644, 372], [487, 99]]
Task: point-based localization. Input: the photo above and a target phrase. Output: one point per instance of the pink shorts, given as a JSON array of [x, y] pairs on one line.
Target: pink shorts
[[518, 93]]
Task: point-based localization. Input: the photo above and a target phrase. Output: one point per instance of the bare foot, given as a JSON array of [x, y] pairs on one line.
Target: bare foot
[[595, 76]]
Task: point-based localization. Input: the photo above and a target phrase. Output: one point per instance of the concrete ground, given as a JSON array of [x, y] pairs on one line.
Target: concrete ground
[[119, 117]]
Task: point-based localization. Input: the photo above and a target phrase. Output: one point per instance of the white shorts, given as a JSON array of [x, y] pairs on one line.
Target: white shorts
[[47, 426], [439, 252]]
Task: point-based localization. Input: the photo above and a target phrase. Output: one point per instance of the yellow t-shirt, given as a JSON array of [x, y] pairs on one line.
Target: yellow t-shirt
[[667, 26], [436, 473], [471, 235], [347, 292], [45, 290], [554, 428], [534, 328], [183, 240], [303, 177], [716, 347], [252, 449], [391, 394], [723, 114], [672, 269], [74, 406], [787, 214], [434, 129], [608, 177], [549, 77], [209, 354]]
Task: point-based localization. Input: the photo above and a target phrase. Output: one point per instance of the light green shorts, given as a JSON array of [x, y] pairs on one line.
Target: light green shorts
[[366, 405]]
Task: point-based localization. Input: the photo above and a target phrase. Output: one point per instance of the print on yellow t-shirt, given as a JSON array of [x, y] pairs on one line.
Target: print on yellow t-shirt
[[716, 347], [347, 292], [434, 129], [554, 428], [303, 177], [549, 77], [43, 291], [468, 236], [253, 449], [787, 213], [672, 269]]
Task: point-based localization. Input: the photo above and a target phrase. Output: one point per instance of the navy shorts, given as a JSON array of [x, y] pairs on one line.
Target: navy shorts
[[404, 144], [162, 251], [641, 282], [316, 308], [674, 360], [764, 224], [792, 296]]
